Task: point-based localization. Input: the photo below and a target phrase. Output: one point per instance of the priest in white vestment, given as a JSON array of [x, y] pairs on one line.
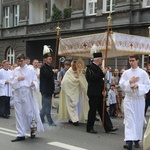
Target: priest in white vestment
[[135, 83], [5, 90], [73, 102], [24, 81]]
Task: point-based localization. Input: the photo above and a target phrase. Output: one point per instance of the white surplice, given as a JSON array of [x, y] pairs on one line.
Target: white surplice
[[5, 89], [25, 105], [134, 103]]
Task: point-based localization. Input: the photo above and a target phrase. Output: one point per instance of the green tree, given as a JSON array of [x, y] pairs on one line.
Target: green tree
[[56, 14], [67, 12]]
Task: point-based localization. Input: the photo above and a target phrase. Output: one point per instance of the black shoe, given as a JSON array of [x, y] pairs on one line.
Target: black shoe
[[18, 139], [127, 146], [92, 131], [112, 130], [96, 119], [5, 116], [69, 121], [75, 123]]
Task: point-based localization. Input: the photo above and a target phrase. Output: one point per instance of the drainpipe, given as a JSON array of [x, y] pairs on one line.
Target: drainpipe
[[84, 14], [130, 19], [0, 17]]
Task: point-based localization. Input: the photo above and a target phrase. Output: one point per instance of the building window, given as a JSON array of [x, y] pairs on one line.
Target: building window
[[46, 11], [109, 5], [146, 3], [16, 15], [7, 13], [91, 7], [10, 55]]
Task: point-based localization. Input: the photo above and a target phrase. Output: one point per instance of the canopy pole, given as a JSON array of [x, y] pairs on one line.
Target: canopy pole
[[105, 65], [56, 46]]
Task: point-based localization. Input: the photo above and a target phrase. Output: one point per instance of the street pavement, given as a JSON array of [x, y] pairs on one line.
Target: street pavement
[[64, 136]]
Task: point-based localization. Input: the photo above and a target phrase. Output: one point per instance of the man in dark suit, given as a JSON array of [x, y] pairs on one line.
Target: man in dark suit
[[47, 86], [94, 76]]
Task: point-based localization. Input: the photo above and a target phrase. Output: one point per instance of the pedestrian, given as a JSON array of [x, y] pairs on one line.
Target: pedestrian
[[24, 81], [73, 104], [135, 82], [63, 71], [5, 90], [147, 97], [94, 76], [112, 101], [47, 86], [115, 80]]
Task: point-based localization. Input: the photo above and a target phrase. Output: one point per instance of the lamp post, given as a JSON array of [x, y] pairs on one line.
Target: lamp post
[[56, 46]]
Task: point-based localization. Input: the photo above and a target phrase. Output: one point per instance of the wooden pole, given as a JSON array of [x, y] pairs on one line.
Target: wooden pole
[[56, 46], [105, 65]]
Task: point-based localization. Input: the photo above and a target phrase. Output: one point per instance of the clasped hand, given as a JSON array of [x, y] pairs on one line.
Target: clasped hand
[[133, 80]]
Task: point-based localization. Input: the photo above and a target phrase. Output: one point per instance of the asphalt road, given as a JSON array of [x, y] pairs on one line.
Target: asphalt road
[[63, 137]]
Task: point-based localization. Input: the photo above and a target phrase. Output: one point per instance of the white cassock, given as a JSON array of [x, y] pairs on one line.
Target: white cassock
[[5, 89], [37, 93], [25, 105], [134, 103]]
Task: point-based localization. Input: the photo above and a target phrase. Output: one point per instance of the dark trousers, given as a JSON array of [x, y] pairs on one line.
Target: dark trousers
[[46, 107], [112, 110], [96, 103], [147, 103], [4, 105]]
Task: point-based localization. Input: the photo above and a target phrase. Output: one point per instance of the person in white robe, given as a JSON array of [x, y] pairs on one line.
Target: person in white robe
[[5, 90], [37, 94], [24, 81], [73, 102], [135, 83]]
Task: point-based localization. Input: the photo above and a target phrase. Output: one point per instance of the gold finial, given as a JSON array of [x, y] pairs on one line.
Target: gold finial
[[109, 18], [58, 28]]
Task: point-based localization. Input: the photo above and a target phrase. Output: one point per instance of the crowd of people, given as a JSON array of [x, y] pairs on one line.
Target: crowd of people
[[29, 89]]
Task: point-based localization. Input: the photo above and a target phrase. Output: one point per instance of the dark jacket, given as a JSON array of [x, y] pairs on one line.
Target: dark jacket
[[94, 76], [46, 79]]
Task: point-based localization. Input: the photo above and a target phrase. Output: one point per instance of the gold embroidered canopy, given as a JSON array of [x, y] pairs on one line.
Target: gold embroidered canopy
[[119, 44]]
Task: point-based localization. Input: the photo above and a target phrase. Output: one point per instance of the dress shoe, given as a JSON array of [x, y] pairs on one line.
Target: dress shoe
[[69, 121], [75, 123], [92, 131], [127, 146], [18, 139], [112, 130], [52, 124], [5, 116]]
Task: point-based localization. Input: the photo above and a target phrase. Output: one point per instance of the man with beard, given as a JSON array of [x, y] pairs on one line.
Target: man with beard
[[94, 76]]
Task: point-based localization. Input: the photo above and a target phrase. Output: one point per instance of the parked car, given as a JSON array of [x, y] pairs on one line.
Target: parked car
[[57, 88]]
